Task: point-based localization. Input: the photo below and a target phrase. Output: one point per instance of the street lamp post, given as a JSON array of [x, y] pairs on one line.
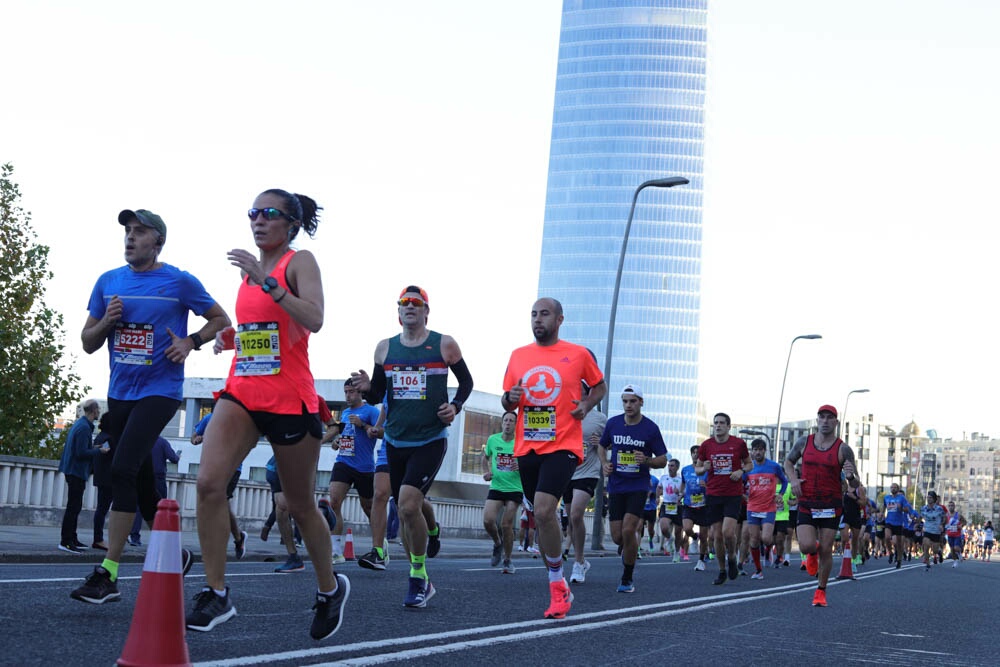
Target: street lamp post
[[781, 398], [756, 434], [846, 403], [669, 182]]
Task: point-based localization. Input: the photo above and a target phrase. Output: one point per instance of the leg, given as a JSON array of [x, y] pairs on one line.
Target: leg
[[74, 504], [284, 523], [338, 491], [826, 538], [380, 506], [101, 512], [507, 528], [491, 510], [578, 528]]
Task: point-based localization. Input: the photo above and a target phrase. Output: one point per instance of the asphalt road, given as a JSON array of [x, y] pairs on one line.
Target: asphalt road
[[479, 617]]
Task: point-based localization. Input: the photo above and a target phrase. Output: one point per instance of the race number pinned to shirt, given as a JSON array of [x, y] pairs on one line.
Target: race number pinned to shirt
[[825, 513], [506, 463], [346, 446], [133, 344], [409, 383], [722, 464], [625, 462], [258, 349], [539, 424]]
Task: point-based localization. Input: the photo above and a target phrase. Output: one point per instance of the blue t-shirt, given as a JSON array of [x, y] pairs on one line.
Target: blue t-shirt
[[357, 450], [624, 440], [654, 482], [694, 486], [152, 302], [894, 506]]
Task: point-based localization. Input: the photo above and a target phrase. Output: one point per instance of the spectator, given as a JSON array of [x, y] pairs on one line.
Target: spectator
[[77, 458]]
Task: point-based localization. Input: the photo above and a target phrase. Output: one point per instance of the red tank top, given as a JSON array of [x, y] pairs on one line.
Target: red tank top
[[270, 370], [821, 476]]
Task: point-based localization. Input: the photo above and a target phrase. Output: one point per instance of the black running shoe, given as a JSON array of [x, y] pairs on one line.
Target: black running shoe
[[240, 546], [434, 543], [721, 579], [899, 563], [372, 561], [330, 610], [209, 610], [734, 570], [497, 555], [98, 588]]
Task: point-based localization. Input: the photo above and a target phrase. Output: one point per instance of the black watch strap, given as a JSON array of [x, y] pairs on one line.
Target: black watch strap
[[198, 342]]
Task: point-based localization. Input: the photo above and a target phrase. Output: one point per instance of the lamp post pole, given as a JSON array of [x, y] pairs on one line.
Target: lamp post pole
[[598, 528], [781, 398], [846, 403]]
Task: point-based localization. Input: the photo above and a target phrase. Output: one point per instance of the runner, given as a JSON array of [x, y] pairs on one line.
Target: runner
[[140, 313], [895, 505], [505, 494], [855, 501], [693, 513], [378, 557], [543, 381], [725, 458], [636, 445], [647, 525], [412, 367], [668, 492], [824, 457], [956, 523], [270, 390], [582, 486], [355, 464], [934, 515], [987, 540], [783, 527], [764, 494]]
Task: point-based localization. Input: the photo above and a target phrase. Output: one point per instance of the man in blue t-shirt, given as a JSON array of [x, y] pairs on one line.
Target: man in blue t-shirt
[[896, 506], [355, 465], [636, 445], [140, 313], [693, 514]]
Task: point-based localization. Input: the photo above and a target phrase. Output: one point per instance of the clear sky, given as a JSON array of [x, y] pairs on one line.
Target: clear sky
[[851, 149]]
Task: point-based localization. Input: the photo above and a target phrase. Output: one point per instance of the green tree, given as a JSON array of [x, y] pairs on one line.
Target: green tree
[[977, 519], [35, 381]]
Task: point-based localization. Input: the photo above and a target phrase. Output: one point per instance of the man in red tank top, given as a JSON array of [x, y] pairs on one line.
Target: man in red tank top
[[823, 456]]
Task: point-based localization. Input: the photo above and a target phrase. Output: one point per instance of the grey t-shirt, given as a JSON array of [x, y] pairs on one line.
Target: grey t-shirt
[[590, 467]]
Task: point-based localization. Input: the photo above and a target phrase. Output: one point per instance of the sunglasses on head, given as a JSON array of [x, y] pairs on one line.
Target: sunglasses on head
[[410, 300], [268, 213]]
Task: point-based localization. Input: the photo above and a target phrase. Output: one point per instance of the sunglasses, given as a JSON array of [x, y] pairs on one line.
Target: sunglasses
[[268, 213], [412, 301]]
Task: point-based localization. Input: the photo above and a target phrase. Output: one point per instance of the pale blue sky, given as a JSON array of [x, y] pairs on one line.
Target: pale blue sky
[[850, 152]]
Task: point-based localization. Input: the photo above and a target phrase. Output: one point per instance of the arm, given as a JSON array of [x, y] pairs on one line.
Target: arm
[[373, 388], [452, 356], [486, 466], [793, 457], [849, 465], [96, 331], [587, 403]]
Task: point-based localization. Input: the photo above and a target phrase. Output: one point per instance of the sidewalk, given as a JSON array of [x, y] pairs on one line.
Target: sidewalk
[[40, 544]]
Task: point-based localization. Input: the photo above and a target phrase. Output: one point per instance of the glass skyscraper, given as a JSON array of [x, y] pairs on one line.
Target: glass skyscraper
[[629, 107]]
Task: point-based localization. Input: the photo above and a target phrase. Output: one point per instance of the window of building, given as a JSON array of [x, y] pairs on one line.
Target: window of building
[[478, 427]]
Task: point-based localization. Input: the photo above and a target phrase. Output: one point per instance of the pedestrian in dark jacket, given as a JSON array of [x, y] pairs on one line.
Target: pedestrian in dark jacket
[[75, 465]]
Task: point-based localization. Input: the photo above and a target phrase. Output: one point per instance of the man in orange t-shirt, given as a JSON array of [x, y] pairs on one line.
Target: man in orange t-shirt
[[542, 382]]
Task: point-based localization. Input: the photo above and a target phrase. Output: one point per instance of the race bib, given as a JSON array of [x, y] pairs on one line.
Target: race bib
[[346, 445], [626, 462], [761, 515], [258, 349], [539, 424], [409, 383], [506, 463], [133, 344], [697, 500], [670, 508], [829, 513], [892, 506], [722, 464]]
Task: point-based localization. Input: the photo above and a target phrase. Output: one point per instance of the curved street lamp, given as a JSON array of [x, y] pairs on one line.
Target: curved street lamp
[[781, 399], [756, 434], [846, 402]]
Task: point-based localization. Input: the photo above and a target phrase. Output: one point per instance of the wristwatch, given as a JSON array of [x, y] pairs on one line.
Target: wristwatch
[[269, 284]]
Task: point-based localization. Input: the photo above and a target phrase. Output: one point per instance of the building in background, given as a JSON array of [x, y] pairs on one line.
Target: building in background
[[630, 107]]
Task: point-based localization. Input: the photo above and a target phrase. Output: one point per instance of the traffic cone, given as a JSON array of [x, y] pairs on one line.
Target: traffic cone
[[349, 546], [156, 636], [846, 572]]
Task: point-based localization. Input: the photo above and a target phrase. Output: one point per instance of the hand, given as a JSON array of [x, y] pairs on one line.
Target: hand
[[640, 457], [516, 393], [446, 413], [356, 421], [197, 439], [224, 340], [374, 432], [738, 473], [248, 264], [796, 487], [361, 381], [849, 470], [487, 476], [336, 442], [179, 347], [579, 412], [113, 313], [608, 469]]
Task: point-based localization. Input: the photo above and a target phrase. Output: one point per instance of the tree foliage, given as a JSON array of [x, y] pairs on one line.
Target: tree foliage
[[35, 380]]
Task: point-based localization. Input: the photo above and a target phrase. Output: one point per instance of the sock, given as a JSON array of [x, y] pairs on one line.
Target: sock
[[335, 541], [821, 588], [755, 554], [336, 585], [111, 567], [627, 574], [379, 551], [435, 531], [221, 593], [555, 568], [417, 566]]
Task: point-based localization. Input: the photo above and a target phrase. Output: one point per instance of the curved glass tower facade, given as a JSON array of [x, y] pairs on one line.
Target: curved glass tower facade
[[629, 107]]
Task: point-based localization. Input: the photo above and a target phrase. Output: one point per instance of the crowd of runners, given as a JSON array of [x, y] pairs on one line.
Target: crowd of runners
[[728, 507]]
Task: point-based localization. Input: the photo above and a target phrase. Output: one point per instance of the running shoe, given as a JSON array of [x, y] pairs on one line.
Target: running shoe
[[497, 555], [292, 564], [579, 572], [338, 559], [134, 541], [699, 566], [734, 571], [899, 563], [786, 562], [533, 550], [777, 564], [434, 542], [677, 557], [684, 556], [385, 550], [240, 546], [69, 548], [812, 564], [102, 546], [508, 567], [330, 610], [264, 532], [372, 561], [80, 545], [561, 599], [721, 579], [626, 587], [421, 590], [98, 588], [210, 609], [757, 575], [819, 598]]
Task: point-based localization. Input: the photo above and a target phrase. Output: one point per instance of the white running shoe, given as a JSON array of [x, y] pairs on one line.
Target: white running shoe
[[338, 559], [700, 565], [579, 572]]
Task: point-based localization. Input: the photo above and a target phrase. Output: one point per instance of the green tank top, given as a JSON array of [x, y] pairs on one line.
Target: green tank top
[[416, 386]]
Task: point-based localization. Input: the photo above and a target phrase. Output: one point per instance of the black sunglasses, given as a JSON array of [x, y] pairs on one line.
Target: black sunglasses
[[268, 213]]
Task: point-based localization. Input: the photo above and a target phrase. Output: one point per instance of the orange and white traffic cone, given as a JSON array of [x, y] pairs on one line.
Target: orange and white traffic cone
[[846, 572], [349, 546], [156, 636]]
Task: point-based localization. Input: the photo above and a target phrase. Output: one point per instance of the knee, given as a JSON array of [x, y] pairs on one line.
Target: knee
[[211, 490]]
